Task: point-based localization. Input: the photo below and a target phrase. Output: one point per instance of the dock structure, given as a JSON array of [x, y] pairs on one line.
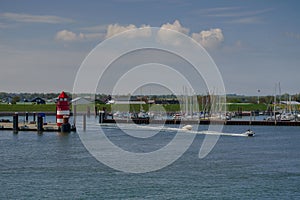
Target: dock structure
[[29, 127], [39, 126], [48, 127], [52, 127], [205, 122], [36, 125]]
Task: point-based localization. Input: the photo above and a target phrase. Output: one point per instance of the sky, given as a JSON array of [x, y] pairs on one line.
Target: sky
[[255, 44]]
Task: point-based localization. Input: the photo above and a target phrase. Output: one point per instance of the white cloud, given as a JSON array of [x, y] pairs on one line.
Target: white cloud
[[28, 18], [176, 26], [65, 35], [170, 37], [210, 38], [114, 29], [69, 36]]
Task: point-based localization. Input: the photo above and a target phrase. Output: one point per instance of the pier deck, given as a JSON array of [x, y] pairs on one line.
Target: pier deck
[[29, 127], [49, 127]]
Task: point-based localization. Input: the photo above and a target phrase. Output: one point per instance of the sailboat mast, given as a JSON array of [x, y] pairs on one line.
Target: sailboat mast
[[275, 103]]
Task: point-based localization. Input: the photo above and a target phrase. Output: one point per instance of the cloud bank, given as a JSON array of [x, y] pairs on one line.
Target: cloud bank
[[114, 29], [69, 36], [210, 39], [176, 26]]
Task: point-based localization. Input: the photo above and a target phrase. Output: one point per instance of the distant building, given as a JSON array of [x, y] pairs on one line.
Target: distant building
[[7, 99], [38, 100], [80, 101]]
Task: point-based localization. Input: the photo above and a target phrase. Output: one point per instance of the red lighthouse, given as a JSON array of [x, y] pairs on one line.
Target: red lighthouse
[[62, 108]]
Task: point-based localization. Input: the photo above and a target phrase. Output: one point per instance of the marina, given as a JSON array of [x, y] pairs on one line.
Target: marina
[[52, 127], [48, 124]]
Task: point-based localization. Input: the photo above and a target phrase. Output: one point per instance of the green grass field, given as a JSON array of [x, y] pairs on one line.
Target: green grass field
[[246, 107]]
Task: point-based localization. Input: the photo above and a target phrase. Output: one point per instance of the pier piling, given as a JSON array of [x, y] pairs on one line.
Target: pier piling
[[26, 117], [66, 126], [84, 122], [40, 123], [34, 116], [101, 116], [15, 123]]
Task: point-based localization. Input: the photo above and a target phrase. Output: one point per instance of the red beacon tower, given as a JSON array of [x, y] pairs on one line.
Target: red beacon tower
[[62, 108]]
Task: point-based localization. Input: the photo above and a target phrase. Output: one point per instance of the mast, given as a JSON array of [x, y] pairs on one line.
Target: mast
[[275, 103]]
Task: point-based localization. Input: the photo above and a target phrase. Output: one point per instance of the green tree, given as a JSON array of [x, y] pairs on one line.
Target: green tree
[[15, 99]]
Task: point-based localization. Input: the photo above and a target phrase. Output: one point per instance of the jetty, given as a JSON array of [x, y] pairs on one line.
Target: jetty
[[36, 125], [48, 127]]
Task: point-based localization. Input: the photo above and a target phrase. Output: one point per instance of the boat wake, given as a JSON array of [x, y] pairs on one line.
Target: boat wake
[[186, 129]]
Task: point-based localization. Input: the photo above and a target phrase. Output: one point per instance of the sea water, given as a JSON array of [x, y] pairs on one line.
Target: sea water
[[56, 166]]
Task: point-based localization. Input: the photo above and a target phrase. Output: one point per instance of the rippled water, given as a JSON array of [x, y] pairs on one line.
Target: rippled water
[[54, 166]]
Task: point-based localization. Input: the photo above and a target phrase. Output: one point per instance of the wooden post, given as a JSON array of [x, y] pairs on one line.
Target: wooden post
[[16, 123], [101, 116], [74, 114], [66, 126], [40, 124], [34, 114], [26, 117], [84, 122]]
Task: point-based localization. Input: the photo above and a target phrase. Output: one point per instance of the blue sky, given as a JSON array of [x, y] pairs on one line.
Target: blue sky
[[42, 43]]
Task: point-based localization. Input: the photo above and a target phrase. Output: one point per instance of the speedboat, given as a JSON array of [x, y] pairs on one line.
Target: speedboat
[[249, 133], [187, 127]]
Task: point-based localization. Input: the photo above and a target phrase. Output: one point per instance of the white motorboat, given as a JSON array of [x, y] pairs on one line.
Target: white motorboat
[[287, 117], [249, 133], [187, 127]]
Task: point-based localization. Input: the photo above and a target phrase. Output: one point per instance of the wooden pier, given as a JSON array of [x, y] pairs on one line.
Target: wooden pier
[[29, 127], [49, 127], [36, 125]]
